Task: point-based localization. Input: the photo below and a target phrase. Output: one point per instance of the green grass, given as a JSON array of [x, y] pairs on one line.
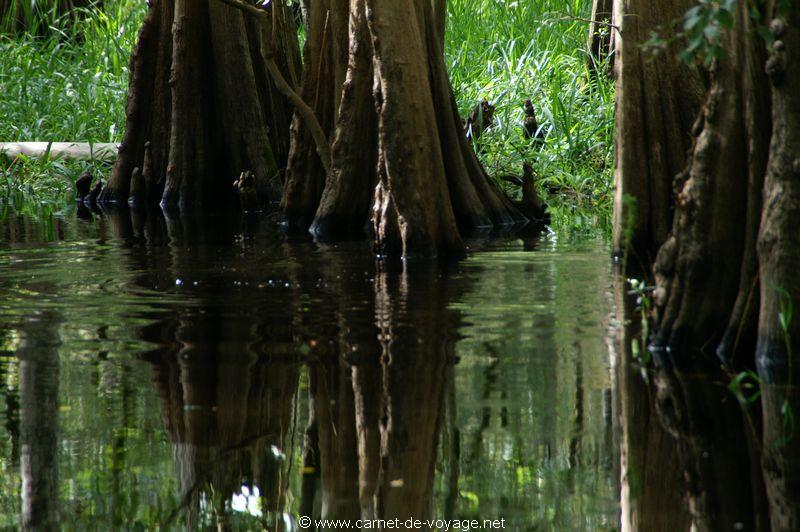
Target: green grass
[[506, 51], [71, 86]]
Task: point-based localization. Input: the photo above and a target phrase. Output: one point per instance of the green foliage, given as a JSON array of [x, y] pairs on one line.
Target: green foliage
[[746, 386], [509, 51], [703, 26], [699, 32], [67, 85], [788, 418], [31, 16], [41, 186]]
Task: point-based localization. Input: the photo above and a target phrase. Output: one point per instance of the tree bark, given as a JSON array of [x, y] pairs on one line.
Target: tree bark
[[706, 305], [719, 203], [657, 101], [738, 199], [779, 261], [601, 33], [325, 57], [202, 107], [345, 201], [397, 146]]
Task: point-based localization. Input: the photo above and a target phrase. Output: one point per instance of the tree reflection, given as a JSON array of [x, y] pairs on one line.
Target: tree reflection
[[38, 397], [652, 488], [298, 379], [228, 364], [689, 456]]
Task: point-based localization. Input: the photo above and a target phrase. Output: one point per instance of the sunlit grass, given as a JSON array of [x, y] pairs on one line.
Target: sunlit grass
[[71, 86], [67, 85], [507, 51]]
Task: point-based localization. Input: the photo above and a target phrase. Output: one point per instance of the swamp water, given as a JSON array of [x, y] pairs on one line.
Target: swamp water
[[206, 372]]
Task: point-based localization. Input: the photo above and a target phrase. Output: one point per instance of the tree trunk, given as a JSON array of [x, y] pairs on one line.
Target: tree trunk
[[397, 142], [202, 107], [727, 278], [779, 261], [347, 193], [719, 203], [657, 100], [601, 33], [705, 304], [325, 57]]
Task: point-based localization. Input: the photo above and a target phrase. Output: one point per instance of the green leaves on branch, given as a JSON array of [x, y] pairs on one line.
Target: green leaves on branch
[[703, 26], [700, 32]]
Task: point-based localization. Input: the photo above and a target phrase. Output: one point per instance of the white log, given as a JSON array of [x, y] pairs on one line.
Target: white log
[[104, 151]]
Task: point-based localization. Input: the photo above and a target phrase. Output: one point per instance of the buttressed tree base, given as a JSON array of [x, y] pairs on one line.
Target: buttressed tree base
[[202, 108], [397, 146], [727, 273]]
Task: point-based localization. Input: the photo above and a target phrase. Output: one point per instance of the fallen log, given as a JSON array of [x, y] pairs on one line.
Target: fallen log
[[103, 151]]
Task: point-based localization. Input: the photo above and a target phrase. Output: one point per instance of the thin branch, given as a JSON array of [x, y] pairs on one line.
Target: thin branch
[[306, 112], [581, 19]]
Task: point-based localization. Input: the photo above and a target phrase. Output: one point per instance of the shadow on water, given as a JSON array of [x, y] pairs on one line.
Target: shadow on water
[[204, 372]]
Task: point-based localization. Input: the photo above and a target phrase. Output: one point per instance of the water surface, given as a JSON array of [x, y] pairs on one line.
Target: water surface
[[194, 372]]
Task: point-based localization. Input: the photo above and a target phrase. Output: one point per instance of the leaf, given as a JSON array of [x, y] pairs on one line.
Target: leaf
[[711, 32], [765, 34], [692, 18], [725, 19], [745, 382]]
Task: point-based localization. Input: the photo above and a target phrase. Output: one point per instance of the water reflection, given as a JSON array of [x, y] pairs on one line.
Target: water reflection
[[227, 416], [213, 374], [690, 456], [652, 488], [38, 414]]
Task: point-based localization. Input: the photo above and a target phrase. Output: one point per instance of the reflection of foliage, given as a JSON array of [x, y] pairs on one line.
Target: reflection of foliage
[[746, 386], [117, 475], [643, 294], [788, 418], [516, 387]]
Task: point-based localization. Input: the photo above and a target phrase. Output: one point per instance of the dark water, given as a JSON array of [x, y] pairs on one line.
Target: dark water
[[208, 373]]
